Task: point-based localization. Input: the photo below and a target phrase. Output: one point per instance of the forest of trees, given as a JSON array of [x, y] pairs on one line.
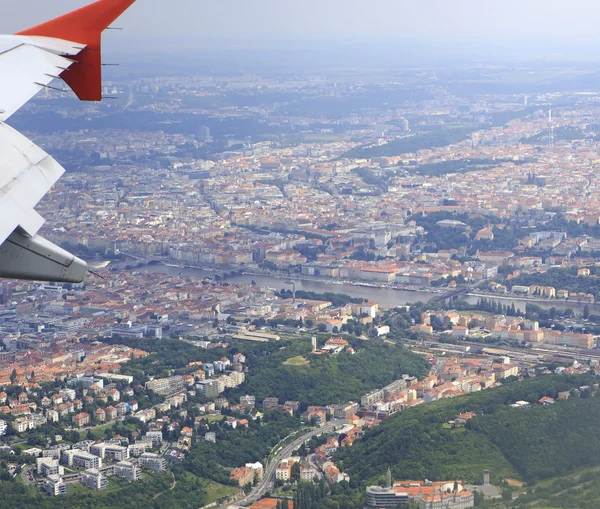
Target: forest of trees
[[511, 442], [578, 491], [566, 279], [328, 378], [544, 442], [436, 138], [572, 228], [440, 237], [336, 299], [151, 493], [361, 253], [562, 133], [167, 356], [461, 166], [238, 446]]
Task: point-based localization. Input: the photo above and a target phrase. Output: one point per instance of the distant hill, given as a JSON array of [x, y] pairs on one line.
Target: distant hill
[[435, 136], [438, 138]]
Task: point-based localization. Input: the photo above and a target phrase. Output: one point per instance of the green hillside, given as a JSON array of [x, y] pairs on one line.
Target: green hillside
[[531, 444], [544, 442], [326, 379]]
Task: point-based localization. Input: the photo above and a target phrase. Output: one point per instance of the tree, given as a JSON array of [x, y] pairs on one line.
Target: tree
[[362, 254], [436, 323], [295, 472], [13, 376], [478, 498]]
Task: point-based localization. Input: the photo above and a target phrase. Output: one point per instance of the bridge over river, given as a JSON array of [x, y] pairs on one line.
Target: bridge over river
[[451, 295]]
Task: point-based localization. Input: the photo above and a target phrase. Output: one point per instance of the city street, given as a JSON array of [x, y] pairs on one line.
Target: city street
[[265, 484]]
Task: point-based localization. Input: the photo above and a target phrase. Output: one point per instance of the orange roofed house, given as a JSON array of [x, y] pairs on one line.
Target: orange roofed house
[[81, 419], [454, 500], [242, 476]]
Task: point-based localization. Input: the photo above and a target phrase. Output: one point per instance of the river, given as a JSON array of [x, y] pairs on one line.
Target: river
[[385, 297]]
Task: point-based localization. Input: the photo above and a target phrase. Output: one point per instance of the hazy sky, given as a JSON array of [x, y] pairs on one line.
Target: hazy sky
[[236, 21]]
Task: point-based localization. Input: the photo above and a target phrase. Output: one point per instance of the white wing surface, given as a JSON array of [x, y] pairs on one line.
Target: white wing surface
[[27, 64], [67, 47]]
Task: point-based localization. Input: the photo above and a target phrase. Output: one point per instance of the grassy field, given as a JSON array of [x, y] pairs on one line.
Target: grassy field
[[114, 484], [212, 418], [297, 361], [18, 448], [216, 491], [99, 432]]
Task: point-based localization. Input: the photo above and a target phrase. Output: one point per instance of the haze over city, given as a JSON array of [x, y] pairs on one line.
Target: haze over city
[[309, 255], [512, 27]]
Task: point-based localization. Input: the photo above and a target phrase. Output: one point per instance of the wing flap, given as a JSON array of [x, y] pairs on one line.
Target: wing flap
[[25, 69], [35, 258]]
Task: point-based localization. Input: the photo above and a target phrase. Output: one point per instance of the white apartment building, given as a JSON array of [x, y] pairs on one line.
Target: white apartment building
[[110, 451], [80, 459], [153, 461], [54, 485], [94, 479], [128, 471], [47, 466]]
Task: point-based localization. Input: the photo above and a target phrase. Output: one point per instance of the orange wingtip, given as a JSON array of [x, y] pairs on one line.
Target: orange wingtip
[[84, 26]]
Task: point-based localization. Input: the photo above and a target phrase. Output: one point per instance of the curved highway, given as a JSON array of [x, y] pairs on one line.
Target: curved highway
[[265, 483]]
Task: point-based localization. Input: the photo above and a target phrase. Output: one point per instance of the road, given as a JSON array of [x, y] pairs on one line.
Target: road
[[26, 472], [263, 486]]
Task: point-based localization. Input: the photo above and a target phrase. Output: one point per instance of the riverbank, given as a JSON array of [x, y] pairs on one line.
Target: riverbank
[[386, 296], [538, 301], [305, 277]]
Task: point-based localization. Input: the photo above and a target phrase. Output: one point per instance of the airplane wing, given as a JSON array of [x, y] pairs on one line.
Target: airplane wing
[[68, 47]]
